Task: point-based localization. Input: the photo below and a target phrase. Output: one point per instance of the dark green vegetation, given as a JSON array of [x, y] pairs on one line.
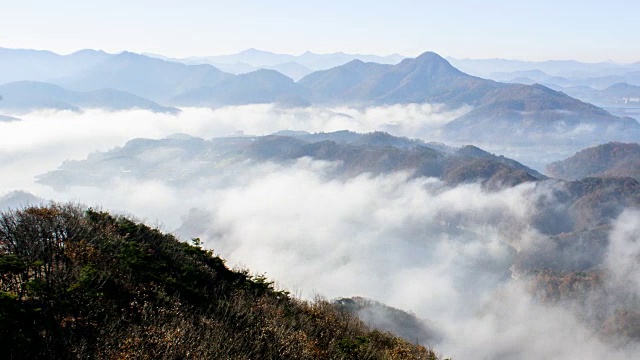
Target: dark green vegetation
[[607, 160], [78, 283]]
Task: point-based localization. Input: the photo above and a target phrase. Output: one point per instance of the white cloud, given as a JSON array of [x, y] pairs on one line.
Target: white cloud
[[443, 253]]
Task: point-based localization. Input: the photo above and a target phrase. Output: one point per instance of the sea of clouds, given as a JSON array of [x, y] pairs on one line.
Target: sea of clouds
[[443, 253]]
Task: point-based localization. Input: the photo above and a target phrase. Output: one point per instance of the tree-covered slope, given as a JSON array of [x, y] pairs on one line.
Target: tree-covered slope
[[80, 283], [607, 160]]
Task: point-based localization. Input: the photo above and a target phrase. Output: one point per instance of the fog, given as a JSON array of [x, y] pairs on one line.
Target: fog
[[443, 253], [43, 139]]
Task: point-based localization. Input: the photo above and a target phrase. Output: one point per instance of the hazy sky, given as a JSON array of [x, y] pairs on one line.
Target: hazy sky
[[586, 30]]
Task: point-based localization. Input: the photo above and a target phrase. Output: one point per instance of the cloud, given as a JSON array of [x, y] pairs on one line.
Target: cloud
[[623, 257], [444, 253]]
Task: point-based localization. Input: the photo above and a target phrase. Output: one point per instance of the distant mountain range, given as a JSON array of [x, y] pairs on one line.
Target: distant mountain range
[[151, 78], [26, 96], [509, 112], [293, 66], [261, 86], [559, 68], [500, 110], [607, 160], [621, 95], [40, 65]]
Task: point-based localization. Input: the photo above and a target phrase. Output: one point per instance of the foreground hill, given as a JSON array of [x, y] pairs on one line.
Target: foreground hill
[[608, 160], [25, 96], [94, 285]]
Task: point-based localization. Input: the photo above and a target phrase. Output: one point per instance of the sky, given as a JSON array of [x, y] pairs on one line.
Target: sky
[[530, 30]]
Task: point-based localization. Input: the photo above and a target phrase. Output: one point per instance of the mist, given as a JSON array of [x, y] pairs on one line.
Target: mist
[[444, 253]]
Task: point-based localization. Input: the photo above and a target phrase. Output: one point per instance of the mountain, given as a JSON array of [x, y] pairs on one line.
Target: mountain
[[530, 77], [154, 79], [4, 118], [325, 61], [25, 96], [494, 110], [621, 95], [291, 69], [608, 160], [560, 68], [261, 86], [537, 75], [337, 85], [94, 285], [293, 66], [387, 318], [38, 65], [310, 60], [531, 112], [19, 199], [602, 82], [235, 68], [498, 110], [427, 78], [577, 217], [187, 159]]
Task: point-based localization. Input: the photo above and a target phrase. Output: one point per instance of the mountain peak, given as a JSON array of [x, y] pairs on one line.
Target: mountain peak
[[430, 64], [431, 56], [129, 55], [89, 52], [354, 62], [266, 73], [253, 51]]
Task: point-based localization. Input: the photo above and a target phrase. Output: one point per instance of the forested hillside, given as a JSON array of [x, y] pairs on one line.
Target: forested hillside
[[81, 283]]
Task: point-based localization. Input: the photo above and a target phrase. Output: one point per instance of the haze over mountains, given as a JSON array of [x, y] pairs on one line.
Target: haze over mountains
[[606, 160], [427, 199], [502, 69], [293, 66], [493, 109], [368, 179], [26, 96], [187, 158]]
